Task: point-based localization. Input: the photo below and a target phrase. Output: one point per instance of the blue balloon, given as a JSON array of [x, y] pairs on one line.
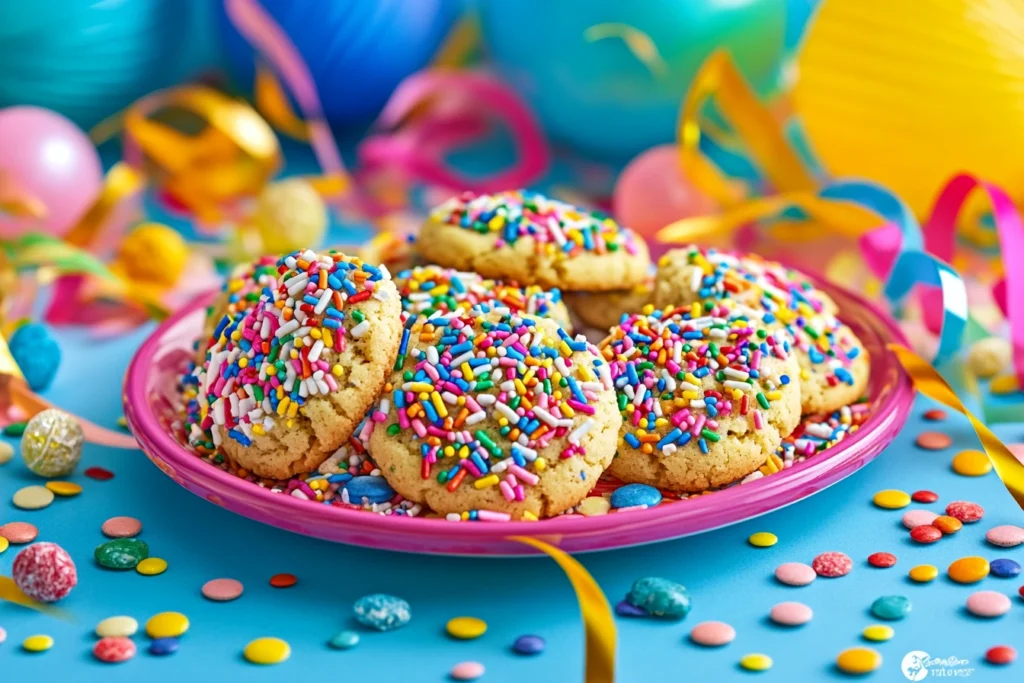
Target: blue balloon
[[357, 50], [597, 95]]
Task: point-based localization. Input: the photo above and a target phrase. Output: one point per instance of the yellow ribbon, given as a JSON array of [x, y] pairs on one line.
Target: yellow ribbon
[[598, 622], [10, 592], [121, 182], [640, 44], [272, 102], [930, 383]]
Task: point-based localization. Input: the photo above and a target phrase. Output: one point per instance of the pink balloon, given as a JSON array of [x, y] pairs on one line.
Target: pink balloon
[[50, 158], [651, 192]]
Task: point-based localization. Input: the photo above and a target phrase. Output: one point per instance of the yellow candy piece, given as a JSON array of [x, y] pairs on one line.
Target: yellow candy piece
[[466, 628], [972, 463], [968, 569], [593, 506], [151, 566], [1004, 384], [117, 626], [167, 625], [923, 573], [64, 488], [892, 499], [858, 660], [4, 543], [878, 633], [763, 539], [37, 643], [756, 662], [267, 651]]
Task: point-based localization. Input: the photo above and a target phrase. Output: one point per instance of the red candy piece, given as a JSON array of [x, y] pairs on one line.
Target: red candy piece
[[1001, 654], [99, 474], [965, 511], [926, 533], [924, 496], [935, 415], [881, 560], [832, 564], [114, 649], [44, 572], [283, 580], [1021, 591]]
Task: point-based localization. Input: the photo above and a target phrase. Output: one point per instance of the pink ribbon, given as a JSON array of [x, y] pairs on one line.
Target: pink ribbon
[[882, 246], [462, 105]]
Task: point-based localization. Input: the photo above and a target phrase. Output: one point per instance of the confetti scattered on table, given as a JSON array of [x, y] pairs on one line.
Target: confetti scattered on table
[[163, 646], [65, 489], [832, 564], [37, 643], [795, 574], [117, 626], [988, 604], [926, 533], [891, 499], [19, 532], [32, 498], [756, 662], [923, 573], [151, 566], [933, 441], [114, 649], [947, 525], [4, 543], [968, 569], [791, 614], [891, 607], [283, 580], [712, 633], [167, 625], [763, 539], [14, 429], [6, 452], [466, 628], [99, 474], [878, 633], [916, 518], [858, 660], [882, 560], [222, 590], [529, 645], [1004, 568], [121, 527], [972, 463], [267, 651], [935, 415]]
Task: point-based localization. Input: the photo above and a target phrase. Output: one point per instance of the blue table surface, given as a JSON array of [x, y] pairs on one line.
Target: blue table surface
[[728, 580]]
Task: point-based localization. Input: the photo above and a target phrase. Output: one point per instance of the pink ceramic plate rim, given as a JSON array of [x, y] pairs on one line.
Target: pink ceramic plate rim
[[574, 533]]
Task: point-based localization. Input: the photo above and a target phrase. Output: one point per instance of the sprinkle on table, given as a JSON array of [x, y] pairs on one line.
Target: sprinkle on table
[[878, 633], [925, 533], [121, 527], [924, 496], [947, 525], [858, 660], [712, 633], [64, 489], [968, 569], [32, 498], [935, 415], [756, 662], [37, 643], [923, 573], [151, 566], [882, 560], [971, 463], [99, 474], [6, 452], [832, 564], [19, 532], [965, 511], [222, 590], [1000, 655], [167, 625], [467, 671]]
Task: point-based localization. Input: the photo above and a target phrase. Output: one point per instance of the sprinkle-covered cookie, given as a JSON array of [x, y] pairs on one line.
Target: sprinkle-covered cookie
[[528, 238], [495, 416], [287, 383], [426, 290], [240, 292], [834, 365], [706, 395], [604, 310]]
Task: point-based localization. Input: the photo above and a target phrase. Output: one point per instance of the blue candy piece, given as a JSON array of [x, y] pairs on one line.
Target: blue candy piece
[[344, 640], [382, 612], [374, 489], [1004, 568], [624, 609], [635, 494], [891, 607], [659, 597], [528, 645], [163, 646], [36, 353]]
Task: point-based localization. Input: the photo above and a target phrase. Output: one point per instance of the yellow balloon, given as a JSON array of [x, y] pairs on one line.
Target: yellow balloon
[[909, 92]]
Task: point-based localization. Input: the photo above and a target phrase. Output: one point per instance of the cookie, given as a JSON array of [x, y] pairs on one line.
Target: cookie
[[288, 382], [706, 396], [391, 249], [240, 292], [525, 237], [491, 412], [604, 310], [834, 366]]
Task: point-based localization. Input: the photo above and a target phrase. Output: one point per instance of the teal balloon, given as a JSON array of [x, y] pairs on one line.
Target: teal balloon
[[597, 96]]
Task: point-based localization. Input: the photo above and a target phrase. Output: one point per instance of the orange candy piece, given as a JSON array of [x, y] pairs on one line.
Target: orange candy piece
[[947, 524]]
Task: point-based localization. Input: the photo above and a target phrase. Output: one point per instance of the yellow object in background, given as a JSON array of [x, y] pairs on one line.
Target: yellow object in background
[[290, 215], [910, 93], [152, 253]]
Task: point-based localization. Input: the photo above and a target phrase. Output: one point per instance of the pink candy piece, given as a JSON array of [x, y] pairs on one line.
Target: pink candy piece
[[913, 518], [988, 604], [114, 649], [965, 511], [222, 590], [832, 564], [791, 614], [121, 527], [467, 671], [1005, 536], [712, 633], [795, 574]]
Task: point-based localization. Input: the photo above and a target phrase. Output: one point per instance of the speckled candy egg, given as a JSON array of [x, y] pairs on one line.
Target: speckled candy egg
[[660, 597], [44, 572], [52, 443], [37, 354]]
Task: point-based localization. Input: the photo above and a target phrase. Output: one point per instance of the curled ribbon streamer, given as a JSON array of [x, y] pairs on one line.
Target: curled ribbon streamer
[[272, 102], [120, 183], [930, 383], [598, 623], [418, 144], [266, 36], [16, 201], [636, 41], [10, 592]]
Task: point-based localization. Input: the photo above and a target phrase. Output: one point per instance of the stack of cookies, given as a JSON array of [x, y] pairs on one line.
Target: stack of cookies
[[460, 377]]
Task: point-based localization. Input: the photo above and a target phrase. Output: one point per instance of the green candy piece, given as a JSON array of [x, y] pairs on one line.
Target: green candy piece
[[15, 429], [122, 553], [344, 640]]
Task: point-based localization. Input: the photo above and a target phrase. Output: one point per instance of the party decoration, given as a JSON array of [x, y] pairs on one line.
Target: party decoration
[[357, 51], [88, 60], [602, 95], [51, 444], [50, 167], [289, 215], [652, 192], [151, 253], [913, 122], [37, 354]]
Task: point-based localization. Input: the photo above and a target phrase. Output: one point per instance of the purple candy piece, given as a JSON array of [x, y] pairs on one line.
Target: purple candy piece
[[624, 609]]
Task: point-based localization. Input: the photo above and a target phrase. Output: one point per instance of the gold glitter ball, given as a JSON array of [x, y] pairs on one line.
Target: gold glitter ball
[[52, 443]]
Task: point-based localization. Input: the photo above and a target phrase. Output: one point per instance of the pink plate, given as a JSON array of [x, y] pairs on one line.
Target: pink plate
[[150, 399]]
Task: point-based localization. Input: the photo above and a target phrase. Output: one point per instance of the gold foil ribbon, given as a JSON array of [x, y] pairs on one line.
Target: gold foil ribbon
[[10, 592], [930, 383], [598, 622]]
